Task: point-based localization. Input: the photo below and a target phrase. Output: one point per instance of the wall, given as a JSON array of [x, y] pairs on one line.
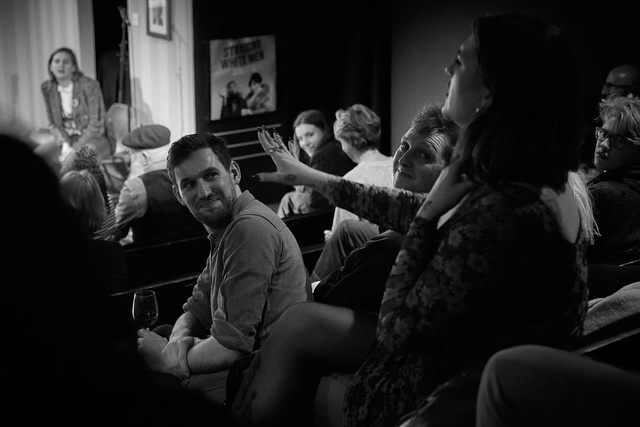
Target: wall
[[425, 40], [162, 85], [30, 30]]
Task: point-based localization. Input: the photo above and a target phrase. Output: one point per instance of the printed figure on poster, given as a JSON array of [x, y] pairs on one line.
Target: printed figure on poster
[[243, 76]]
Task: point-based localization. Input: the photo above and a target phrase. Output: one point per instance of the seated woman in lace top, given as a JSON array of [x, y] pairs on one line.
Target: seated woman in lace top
[[494, 256]]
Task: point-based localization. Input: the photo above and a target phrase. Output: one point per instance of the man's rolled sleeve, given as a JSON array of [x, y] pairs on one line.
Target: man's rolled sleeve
[[248, 259], [198, 303]]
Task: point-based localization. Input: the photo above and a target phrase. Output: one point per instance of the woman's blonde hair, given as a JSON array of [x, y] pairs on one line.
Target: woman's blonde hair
[[585, 204]]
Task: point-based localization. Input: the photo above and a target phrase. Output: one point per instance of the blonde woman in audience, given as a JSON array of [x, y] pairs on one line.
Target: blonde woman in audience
[[358, 130], [615, 190]]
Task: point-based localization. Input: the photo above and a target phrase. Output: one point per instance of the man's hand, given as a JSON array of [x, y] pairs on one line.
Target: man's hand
[[150, 348], [175, 356]]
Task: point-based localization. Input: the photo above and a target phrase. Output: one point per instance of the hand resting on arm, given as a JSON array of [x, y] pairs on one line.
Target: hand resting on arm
[[183, 354]]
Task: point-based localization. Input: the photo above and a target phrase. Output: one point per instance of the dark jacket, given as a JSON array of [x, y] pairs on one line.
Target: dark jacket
[[329, 158], [166, 219], [616, 206]]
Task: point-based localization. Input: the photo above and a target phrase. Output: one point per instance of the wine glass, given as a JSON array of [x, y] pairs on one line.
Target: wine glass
[[145, 308]]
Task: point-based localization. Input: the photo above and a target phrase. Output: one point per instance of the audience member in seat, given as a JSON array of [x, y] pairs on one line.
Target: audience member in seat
[[623, 80], [493, 256], [616, 189], [424, 150], [254, 272], [358, 130], [147, 207], [86, 159], [75, 106], [87, 377], [81, 190], [535, 386], [320, 150]]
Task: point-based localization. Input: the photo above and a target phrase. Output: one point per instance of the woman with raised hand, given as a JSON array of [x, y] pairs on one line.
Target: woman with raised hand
[[494, 256]]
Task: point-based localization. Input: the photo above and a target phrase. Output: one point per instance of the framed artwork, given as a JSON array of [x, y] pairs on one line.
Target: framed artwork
[[159, 18], [242, 76]]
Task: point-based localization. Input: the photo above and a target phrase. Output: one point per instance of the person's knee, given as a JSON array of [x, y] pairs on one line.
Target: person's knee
[[297, 319], [510, 369], [300, 325]]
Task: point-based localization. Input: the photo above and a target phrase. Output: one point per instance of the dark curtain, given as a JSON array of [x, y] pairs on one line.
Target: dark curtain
[[339, 56], [331, 55]]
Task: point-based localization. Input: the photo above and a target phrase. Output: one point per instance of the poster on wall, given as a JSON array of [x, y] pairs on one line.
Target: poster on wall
[[243, 76]]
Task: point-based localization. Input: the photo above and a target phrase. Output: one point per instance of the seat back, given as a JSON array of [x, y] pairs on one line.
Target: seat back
[[118, 125], [116, 170]]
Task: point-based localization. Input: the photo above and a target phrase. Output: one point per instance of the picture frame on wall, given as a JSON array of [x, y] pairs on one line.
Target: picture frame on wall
[[159, 18], [242, 77]]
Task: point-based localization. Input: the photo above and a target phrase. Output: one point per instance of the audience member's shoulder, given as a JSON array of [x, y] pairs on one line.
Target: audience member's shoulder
[[252, 214], [620, 177], [88, 81], [330, 147], [503, 199]]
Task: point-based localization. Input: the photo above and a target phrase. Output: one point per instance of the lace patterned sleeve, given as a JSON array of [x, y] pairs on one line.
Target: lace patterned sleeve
[[442, 275], [404, 299], [388, 207]]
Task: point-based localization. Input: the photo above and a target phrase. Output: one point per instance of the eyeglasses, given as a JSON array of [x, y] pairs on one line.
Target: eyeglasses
[[616, 141]]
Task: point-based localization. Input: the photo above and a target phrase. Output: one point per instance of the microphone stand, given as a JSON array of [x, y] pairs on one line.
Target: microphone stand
[[123, 52]]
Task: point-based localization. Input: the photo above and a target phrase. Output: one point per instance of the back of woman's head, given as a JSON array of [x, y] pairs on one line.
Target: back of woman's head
[[358, 126], [530, 131], [86, 158], [316, 118], [82, 192]]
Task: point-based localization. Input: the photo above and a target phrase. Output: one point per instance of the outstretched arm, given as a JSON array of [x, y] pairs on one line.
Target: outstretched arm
[[291, 171], [388, 207]]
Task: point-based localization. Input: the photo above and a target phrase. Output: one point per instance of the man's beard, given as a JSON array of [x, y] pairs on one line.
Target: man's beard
[[224, 217]]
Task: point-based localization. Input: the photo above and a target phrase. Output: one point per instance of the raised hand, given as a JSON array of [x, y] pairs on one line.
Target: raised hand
[[291, 171], [294, 148]]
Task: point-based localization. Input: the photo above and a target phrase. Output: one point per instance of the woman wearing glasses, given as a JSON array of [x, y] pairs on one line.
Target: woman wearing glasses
[[616, 188]]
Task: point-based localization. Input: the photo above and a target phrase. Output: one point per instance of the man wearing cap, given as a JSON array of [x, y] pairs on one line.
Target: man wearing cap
[[615, 191], [146, 205]]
